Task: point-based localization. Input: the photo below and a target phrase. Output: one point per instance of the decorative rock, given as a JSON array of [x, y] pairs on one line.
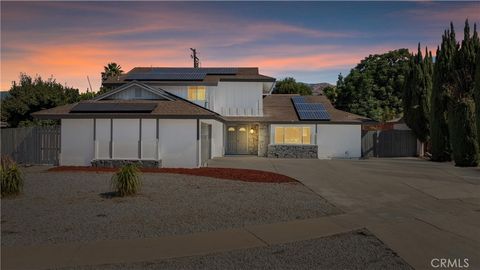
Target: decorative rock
[[292, 151], [116, 163], [263, 138]]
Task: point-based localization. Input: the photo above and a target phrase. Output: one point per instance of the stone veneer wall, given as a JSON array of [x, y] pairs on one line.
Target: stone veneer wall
[[116, 163], [263, 140], [253, 140], [292, 151]]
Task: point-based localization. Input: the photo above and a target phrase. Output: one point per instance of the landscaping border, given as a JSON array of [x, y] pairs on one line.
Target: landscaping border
[[221, 173]]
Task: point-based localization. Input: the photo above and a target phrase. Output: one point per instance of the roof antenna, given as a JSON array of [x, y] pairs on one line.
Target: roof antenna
[[196, 60], [88, 79]]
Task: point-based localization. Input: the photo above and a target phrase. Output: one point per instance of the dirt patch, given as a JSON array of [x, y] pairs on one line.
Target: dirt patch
[[222, 173]]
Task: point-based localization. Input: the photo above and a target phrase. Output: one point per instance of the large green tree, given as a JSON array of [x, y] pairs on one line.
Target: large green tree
[[374, 88], [290, 86], [461, 107], [442, 78], [34, 94], [416, 98]]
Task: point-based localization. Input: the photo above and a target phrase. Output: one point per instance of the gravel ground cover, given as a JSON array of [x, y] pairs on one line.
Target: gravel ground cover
[[58, 207], [354, 250]]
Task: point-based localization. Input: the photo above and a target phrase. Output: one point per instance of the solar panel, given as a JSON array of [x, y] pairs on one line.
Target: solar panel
[[113, 108], [166, 76], [210, 71], [309, 111], [310, 106], [298, 99]]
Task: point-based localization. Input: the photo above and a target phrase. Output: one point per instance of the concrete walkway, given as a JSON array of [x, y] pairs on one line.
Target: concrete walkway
[[422, 210], [151, 249]]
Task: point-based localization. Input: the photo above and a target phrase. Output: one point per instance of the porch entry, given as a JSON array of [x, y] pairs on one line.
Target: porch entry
[[237, 140]]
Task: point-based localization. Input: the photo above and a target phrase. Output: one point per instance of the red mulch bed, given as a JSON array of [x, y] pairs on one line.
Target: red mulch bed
[[223, 173]]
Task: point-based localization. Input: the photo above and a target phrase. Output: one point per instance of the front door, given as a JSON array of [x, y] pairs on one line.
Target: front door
[[237, 140]]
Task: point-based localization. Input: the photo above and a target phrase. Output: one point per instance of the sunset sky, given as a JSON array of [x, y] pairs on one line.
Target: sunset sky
[[311, 41]]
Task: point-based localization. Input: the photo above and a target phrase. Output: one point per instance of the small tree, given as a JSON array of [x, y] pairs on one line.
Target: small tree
[[290, 86]]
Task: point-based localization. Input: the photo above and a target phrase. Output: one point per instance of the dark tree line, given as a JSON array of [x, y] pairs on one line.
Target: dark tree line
[[455, 103], [439, 100], [443, 107], [34, 94]]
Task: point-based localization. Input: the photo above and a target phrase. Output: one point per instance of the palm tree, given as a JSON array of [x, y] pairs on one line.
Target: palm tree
[[111, 69]]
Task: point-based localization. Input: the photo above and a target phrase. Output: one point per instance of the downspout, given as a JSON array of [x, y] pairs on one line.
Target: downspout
[[198, 143]]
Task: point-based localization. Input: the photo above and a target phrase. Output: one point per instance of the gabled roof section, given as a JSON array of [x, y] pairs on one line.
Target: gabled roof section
[[168, 106], [160, 93]]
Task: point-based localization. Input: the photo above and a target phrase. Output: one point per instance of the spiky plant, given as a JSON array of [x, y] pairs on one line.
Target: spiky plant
[[12, 179], [126, 181]]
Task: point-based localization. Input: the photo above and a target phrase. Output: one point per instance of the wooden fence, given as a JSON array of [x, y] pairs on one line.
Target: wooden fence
[[32, 145], [389, 143]]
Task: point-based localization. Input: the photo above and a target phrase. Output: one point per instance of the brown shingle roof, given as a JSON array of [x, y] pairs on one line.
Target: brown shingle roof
[[279, 108], [165, 108]]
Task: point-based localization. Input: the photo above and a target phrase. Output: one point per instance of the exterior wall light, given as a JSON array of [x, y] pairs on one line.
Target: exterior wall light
[[252, 131]]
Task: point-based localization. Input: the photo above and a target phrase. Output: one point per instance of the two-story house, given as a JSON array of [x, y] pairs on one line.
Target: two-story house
[[181, 117]]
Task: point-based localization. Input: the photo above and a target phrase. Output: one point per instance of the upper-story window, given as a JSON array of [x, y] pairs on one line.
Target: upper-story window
[[197, 93]]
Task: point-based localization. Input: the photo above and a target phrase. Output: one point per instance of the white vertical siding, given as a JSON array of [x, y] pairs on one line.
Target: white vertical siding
[[134, 92], [339, 141], [229, 98], [77, 148], [149, 138], [178, 142], [102, 129], [238, 98], [125, 138]]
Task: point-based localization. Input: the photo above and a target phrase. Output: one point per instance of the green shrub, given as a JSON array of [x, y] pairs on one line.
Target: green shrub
[[126, 181], [12, 180]]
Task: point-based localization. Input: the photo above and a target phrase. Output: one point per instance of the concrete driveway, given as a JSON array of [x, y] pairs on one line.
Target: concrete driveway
[[422, 210]]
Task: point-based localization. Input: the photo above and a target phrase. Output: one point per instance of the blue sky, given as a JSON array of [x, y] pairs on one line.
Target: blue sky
[[311, 41]]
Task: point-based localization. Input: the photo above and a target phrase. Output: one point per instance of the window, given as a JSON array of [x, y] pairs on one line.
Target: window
[[242, 129], [197, 92], [292, 135], [231, 129]]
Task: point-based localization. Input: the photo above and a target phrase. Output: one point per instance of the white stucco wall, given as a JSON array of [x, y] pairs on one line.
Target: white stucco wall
[[217, 137], [339, 141], [125, 138], [103, 138], [77, 148], [178, 142], [149, 138]]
